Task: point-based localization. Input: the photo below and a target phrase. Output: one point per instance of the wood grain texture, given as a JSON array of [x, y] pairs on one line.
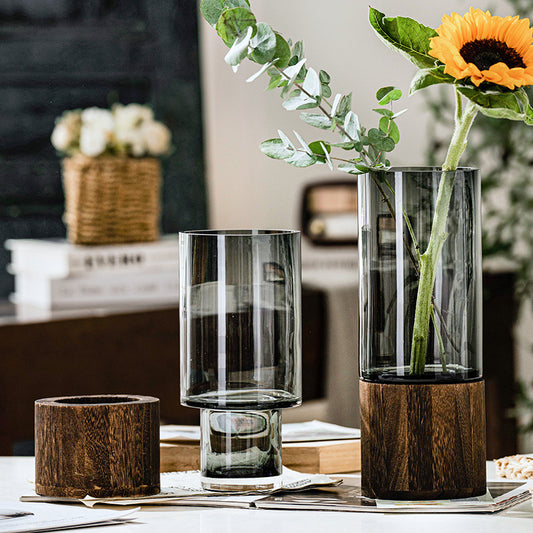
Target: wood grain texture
[[100, 446], [423, 441]]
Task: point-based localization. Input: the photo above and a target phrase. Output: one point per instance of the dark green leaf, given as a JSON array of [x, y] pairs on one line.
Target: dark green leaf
[[429, 76], [497, 105], [384, 112], [316, 147], [212, 9], [324, 77], [283, 52], [406, 36], [380, 141], [263, 44], [394, 132], [233, 24], [386, 95], [326, 91]]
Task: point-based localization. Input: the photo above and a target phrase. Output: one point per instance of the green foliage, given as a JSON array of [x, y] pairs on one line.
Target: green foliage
[[305, 88], [429, 76], [406, 36]]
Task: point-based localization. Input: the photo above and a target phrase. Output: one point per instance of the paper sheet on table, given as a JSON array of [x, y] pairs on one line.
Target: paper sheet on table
[[185, 488], [59, 517], [299, 432]]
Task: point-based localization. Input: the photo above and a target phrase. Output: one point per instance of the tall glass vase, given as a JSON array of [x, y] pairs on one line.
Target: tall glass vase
[[240, 327], [422, 399]]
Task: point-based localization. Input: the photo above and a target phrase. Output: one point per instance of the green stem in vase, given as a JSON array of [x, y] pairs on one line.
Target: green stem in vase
[[430, 258]]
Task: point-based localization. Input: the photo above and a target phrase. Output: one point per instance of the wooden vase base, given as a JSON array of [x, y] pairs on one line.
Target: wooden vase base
[[423, 441], [101, 446]]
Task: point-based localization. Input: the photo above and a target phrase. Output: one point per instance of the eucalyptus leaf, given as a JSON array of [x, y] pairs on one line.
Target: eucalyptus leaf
[[301, 101], [263, 44], [286, 141], [336, 102], [239, 49], [212, 9], [312, 83], [327, 149], [324, 77], [274, 82], [326, 91], [351, 126], [384, 112], [384, 124], [317, 121], [276, 149], [298, 50], [302, 142], [353, 168], [380, 141], [233, 23], [291, 73], [385, 95], [265, 67], [406, 36], [394, 132], [430, 76], [282, 52], [302, 159]]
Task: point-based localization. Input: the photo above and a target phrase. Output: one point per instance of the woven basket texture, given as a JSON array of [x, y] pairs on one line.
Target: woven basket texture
[[111, 199]]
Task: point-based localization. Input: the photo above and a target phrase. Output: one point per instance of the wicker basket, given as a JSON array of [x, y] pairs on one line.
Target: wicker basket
[[111, 199]]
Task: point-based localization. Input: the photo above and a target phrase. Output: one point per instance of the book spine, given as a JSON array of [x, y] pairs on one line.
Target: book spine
[[65, 264]]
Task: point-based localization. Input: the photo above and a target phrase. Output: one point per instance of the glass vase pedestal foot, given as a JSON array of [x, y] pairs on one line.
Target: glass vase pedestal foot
[[423, 441], [240, 450]]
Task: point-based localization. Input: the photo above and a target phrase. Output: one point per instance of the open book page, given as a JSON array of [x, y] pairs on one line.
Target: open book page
[[55, 517], [299, 432], [346, 497], [184, 488]]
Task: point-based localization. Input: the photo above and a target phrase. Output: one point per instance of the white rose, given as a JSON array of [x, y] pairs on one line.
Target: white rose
[[93, 141], [97, 118], [128, 118], [62, 137], [157, 137]]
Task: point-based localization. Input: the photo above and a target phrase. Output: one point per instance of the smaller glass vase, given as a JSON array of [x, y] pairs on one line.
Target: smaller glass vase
[[240, 334]]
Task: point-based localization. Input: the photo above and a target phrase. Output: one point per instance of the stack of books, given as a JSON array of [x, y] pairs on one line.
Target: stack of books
[[54, 274]]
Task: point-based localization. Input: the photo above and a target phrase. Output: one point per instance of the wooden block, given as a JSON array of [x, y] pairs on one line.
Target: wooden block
[[423, 441], [179, 457], [326, 457], [101, 446]]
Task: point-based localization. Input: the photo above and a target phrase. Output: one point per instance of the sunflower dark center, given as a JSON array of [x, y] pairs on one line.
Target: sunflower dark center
[[487, 52]]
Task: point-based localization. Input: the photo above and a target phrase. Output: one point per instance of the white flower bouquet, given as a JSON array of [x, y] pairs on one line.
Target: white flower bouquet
[[125, 130]]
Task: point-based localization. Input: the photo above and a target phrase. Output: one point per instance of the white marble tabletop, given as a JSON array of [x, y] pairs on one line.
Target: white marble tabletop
[[16, 474]]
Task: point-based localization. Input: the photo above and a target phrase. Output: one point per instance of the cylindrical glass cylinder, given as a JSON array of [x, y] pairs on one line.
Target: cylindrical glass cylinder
[[396, 217], [240, 334], [239, 448]]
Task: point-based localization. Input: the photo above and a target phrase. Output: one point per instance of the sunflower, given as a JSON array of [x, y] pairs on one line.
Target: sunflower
[[485, 48]]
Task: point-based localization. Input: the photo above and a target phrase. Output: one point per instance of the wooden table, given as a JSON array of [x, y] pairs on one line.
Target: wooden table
[[15, 473]]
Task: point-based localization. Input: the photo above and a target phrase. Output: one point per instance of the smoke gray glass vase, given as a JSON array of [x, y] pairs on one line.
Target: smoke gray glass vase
[[240, 335]]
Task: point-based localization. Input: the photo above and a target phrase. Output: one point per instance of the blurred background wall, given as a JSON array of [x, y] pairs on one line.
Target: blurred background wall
[[64, 54]]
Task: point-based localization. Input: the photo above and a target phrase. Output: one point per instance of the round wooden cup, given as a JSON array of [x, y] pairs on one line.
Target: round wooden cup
[[101, 446]]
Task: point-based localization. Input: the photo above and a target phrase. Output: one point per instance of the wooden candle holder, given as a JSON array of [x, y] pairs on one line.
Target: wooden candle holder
[[101, 446], [423, 441]]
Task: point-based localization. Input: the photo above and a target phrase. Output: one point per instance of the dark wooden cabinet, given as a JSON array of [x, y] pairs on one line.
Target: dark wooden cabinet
[[114, 352]]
